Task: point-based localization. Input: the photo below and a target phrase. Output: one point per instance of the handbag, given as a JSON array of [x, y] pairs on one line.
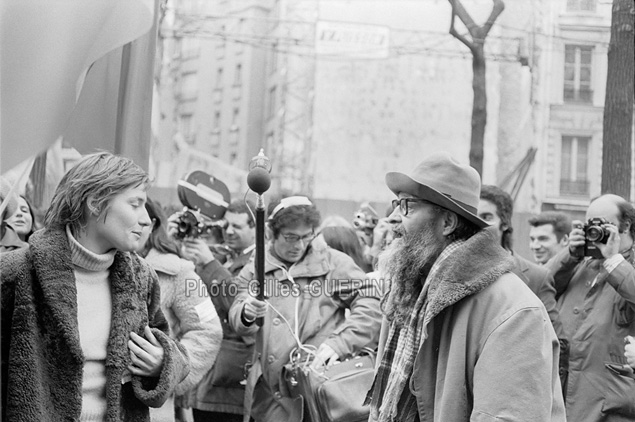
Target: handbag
[[335, 393]]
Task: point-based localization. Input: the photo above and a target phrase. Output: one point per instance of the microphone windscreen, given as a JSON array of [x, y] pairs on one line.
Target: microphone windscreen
[[259, 180]]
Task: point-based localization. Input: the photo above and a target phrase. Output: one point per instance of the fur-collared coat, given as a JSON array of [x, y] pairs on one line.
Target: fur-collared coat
[[42, 359], [491, 353]]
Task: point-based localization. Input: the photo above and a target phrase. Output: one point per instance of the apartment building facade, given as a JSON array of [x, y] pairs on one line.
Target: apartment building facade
[[242, 75]]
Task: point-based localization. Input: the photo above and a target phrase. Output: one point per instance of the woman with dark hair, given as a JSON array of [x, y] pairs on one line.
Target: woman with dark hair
[[189, 310], [345, 239], [9, 239], [83, 335], [23, 219]]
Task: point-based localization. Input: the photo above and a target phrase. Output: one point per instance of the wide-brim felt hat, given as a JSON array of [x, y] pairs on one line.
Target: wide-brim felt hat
[[442, 180]]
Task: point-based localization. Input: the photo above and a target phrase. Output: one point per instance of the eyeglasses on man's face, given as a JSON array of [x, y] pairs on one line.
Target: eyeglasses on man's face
[[402, 203], [294, 238]]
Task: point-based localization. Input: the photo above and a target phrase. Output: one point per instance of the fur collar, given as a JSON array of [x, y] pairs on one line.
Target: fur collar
[[477, 263], [52, 264]]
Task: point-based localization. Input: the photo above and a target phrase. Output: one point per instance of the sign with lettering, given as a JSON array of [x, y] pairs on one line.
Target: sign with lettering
[[352, 40]]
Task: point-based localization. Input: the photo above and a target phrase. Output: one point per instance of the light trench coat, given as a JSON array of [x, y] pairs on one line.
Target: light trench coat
[[327, 283]]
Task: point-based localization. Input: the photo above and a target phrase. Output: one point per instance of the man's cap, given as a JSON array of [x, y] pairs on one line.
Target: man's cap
[[443, 181]]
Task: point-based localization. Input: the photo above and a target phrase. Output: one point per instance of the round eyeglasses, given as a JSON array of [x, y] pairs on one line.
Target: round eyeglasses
[[402, 203]]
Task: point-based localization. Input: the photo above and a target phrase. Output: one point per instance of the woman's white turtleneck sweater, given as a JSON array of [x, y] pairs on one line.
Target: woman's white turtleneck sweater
[[94, 308]]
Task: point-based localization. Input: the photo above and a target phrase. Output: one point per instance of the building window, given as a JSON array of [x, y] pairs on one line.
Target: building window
[[238, 47], [214, 142], [273, 62], [215, 132], [189, 86], [577, 73], [185, 127], [220, 50], [574, 166], [234, 133], [272, 101], [219, 77], [238, 75], [235, 117], [581, 5]]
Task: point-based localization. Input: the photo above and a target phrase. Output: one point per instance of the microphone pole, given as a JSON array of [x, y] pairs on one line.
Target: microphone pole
[[259, 181]]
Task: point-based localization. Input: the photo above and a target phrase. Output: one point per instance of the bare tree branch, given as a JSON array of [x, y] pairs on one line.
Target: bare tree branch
[[498, 8], [479, 81], [457, 7], [478, 33], [453, 30]]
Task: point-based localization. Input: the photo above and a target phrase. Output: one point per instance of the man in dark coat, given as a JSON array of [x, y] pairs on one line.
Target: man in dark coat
[[496, 207], [597, 310]]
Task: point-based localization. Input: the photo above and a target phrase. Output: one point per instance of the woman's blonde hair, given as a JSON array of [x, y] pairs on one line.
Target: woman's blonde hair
[[96, 178]]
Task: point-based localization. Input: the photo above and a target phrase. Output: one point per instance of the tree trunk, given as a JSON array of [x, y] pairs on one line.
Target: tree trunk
[[618, 106], [476, 44], [479, 108]]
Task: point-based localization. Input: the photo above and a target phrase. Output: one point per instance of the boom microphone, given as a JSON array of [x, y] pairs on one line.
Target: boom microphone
[[258, 178], [259, 181]]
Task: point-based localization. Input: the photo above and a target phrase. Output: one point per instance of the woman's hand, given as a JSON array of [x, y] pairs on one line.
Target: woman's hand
[[146, 354]]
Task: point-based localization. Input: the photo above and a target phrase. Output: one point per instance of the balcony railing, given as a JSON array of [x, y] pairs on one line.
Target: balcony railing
[[581, 5], [574, 187], [578, 95]]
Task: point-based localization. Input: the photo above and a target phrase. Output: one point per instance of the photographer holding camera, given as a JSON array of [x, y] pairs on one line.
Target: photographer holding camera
[[595, 281], [220, 395]]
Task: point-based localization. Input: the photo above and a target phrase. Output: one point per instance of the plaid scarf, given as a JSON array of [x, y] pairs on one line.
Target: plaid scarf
[[389, 397]]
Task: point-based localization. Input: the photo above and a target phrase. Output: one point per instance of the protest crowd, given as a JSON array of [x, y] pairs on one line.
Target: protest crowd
[[114, 310], [446, 296]]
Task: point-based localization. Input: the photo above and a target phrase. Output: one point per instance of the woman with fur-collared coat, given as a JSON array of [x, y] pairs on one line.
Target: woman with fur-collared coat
[[83, 335]]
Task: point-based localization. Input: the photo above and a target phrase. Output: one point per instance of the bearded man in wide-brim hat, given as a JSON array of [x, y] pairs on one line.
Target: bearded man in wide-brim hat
[[463, 338]]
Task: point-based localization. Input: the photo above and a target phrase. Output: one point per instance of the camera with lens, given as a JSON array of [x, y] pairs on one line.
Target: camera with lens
[[364, 221], [595, 233], [191, 223], [365, 218], [205, 199]]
